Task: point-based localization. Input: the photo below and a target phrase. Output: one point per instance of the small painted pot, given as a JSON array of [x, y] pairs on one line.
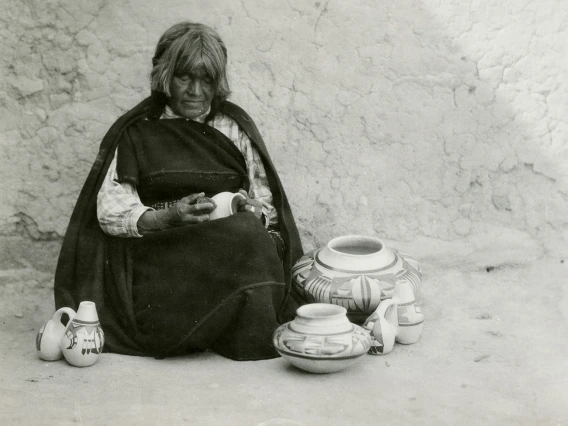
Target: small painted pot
[[353, 271], [409, 318], [321, 339], [386, 327], [83, 341], [50, 335]]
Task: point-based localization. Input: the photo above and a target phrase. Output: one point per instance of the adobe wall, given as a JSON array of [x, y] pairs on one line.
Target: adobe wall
[[438, 125]]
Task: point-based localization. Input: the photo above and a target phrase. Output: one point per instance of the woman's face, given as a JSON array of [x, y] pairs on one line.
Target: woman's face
[[191, 94]]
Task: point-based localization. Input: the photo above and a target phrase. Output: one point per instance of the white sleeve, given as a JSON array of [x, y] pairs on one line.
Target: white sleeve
[[119, 206]]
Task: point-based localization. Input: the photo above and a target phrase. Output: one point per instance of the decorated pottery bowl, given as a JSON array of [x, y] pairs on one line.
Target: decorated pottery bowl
[[353, 271], [321, 339]]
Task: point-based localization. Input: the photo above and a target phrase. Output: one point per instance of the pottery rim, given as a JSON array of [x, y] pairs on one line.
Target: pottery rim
[[87, 311], [233, 206], [355, 255], [321, 310], [321, 318], [373, 243]]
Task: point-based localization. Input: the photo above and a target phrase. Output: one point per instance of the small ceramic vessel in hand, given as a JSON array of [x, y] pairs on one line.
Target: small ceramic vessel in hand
[[50, 335], [83, 341], [227, 204], [321, 339]]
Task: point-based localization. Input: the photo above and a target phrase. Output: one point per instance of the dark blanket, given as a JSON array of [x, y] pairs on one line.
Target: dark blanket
[[168, 159], [228, 322]]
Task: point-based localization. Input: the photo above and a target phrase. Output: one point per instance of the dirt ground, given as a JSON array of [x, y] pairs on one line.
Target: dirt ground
[[493, 352]]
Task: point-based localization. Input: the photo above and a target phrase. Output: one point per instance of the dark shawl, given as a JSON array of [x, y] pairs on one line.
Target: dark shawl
[[81, 267]]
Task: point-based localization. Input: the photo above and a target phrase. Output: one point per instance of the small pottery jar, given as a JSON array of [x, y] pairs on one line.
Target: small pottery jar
[[355, 272], [383, 327], [321, 339], [226, 204], [397, 319], [83, 341], [410, 319], [50, 334]]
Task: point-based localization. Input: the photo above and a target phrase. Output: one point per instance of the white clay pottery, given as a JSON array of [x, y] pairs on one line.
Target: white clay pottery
[[355, 272], [50, 334], [382, 325], [321, 339], [410, 319], [397, 319], [226, 204], [83, 341]]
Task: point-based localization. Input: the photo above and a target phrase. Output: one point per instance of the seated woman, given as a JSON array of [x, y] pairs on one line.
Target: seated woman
[[167, 280]]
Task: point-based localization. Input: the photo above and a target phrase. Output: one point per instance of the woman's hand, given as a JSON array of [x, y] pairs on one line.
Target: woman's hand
[[249, 204], [191, 210], [187, 211]]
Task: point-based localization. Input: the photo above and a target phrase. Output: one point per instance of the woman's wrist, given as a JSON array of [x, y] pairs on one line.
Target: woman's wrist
[[190, 210], [156, 220]]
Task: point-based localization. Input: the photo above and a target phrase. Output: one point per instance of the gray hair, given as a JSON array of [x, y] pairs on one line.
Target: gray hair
[[188, 47]]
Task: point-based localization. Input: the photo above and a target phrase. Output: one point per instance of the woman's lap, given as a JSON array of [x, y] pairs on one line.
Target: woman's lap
[[216, 285]]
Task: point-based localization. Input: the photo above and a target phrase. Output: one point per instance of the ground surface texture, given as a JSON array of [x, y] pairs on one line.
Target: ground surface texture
[[493, 352]]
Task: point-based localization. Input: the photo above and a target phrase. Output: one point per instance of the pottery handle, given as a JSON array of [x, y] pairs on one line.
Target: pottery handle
[[383, 324], [388, 323], [384, 306], [59, 313]]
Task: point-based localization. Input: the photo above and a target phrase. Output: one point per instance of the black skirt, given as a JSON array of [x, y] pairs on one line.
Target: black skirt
[[216, 285]]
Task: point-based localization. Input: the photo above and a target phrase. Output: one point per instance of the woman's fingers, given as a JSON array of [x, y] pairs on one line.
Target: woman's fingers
[[202, 208], [241, 205], [190, 219], [188, 212], [193, 198], [208, 200], [196, 209], [250, 205], [197, 219]]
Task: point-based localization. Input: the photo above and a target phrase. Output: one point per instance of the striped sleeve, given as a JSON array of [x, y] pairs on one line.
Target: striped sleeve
[[119, 206]]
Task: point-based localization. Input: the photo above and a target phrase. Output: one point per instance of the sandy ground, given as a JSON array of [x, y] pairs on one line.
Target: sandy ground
[[493, 352]]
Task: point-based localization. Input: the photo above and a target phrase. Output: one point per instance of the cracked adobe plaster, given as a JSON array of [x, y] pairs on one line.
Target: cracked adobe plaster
[[438, 124]]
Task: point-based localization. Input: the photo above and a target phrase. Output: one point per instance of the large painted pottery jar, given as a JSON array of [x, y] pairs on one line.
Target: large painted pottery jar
[[321, 339], [353, 271], [83, 341]]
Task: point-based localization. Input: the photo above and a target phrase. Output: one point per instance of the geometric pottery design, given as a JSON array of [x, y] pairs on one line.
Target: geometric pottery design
[[410, 271], [38, 338], [348, 344], [409, 315], [377, 344], [359, 293], [89, 333]]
